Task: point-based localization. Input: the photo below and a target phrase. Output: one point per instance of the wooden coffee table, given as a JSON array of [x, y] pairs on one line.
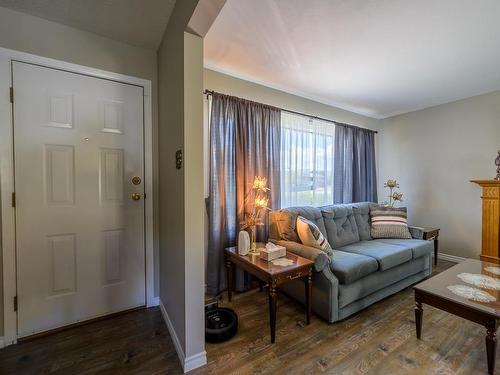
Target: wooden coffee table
[[273, 275], [446, 290]]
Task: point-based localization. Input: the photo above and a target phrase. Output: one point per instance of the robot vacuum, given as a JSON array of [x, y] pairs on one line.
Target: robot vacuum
[[221, 324]]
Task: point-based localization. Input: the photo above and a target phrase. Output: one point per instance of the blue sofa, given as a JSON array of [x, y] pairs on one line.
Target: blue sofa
[[363, 270]]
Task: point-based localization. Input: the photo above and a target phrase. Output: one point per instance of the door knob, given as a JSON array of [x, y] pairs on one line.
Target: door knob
[[136, 196]]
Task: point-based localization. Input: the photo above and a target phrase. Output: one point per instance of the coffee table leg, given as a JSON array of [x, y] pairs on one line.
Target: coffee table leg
[[272, 311], [229, 278], [491, 348], [308, 282], [418, 317]]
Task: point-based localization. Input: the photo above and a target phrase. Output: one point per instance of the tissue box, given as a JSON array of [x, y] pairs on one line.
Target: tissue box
[[273, 253]]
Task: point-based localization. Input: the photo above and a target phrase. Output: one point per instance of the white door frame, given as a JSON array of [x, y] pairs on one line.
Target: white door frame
[[7, 217]]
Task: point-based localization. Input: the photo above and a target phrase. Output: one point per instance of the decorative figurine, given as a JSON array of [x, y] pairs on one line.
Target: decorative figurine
[[497, 163]]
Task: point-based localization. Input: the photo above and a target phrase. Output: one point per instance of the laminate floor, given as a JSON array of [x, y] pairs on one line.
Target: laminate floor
[[379, 340], [134, 343]]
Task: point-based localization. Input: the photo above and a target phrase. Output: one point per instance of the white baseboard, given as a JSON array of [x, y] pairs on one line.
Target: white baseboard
[[195, 361], [451, 258], [173, 334], [189, 363]]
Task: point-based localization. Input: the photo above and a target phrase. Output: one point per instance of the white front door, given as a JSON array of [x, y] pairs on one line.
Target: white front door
[[78, 144]]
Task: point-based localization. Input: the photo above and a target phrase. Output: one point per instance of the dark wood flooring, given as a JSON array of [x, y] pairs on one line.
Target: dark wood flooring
[[134, 343], [379, 340]]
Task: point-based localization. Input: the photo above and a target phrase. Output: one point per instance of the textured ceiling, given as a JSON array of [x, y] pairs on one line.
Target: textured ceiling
[[377, 58], [137, 22]]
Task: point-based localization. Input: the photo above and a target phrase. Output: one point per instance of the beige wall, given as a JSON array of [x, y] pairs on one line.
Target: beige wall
[[171, 186], [22, 32], [194, 201], [433, 153], [180, 63]]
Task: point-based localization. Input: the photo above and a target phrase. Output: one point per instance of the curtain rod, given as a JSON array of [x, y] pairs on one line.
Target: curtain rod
[[211, 92]]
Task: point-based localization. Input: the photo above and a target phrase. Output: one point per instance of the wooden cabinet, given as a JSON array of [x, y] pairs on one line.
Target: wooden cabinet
[[490, 244]]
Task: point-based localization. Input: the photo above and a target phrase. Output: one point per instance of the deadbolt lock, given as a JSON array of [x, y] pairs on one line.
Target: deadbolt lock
[[136, 180], [136, 196]]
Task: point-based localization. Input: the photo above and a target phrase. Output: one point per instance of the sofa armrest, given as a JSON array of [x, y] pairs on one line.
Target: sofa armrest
[[416, 232], [319, 257]]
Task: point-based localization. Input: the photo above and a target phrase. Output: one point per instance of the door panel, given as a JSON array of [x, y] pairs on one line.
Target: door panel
[[78, 142], [59, 178]]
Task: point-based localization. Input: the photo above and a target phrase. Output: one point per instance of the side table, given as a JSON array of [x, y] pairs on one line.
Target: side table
[[430, 234], [273, 275]]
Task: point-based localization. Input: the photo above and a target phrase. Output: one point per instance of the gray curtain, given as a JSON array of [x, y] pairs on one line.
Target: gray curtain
[[354, 170], [244, 143]]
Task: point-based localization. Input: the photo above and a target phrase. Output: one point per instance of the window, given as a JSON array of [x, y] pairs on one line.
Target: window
[[306, 161]]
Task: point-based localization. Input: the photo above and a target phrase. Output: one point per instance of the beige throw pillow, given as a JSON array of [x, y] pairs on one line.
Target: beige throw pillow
[[389, 222], [310, 235]]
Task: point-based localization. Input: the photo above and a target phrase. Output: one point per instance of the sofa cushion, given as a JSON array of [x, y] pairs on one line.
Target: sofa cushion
[[349, 267], [340, 225], [361, 213], [286, 221], [387, 255], [419, 248], [376, 281]]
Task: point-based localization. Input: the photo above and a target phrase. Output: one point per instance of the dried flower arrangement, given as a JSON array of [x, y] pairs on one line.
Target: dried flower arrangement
[[394, 196], [259, 207]]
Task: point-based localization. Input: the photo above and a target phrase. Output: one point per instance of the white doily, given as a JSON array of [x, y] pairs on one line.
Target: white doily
[[493, 269], [471, 293], [282, 262], [480, 281]]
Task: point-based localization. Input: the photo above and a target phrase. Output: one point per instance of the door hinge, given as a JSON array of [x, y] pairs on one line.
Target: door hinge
[[11, 91], [13, 199], [15, 303]]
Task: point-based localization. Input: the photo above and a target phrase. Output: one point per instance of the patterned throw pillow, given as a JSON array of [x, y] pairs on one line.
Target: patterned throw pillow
[[389, 222], [310, 235]]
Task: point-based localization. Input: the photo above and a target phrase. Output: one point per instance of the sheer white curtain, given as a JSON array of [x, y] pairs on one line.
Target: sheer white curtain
[[306, 161]]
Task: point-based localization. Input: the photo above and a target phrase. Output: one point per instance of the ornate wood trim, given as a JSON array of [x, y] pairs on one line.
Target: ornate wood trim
[[486, 182], [490, 240]]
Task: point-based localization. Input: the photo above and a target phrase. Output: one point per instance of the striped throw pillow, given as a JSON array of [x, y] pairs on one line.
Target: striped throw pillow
[[389, 222], [310, 235]]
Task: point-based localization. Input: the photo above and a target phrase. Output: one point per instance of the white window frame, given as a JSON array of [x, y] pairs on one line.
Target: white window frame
[[309, 128]]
